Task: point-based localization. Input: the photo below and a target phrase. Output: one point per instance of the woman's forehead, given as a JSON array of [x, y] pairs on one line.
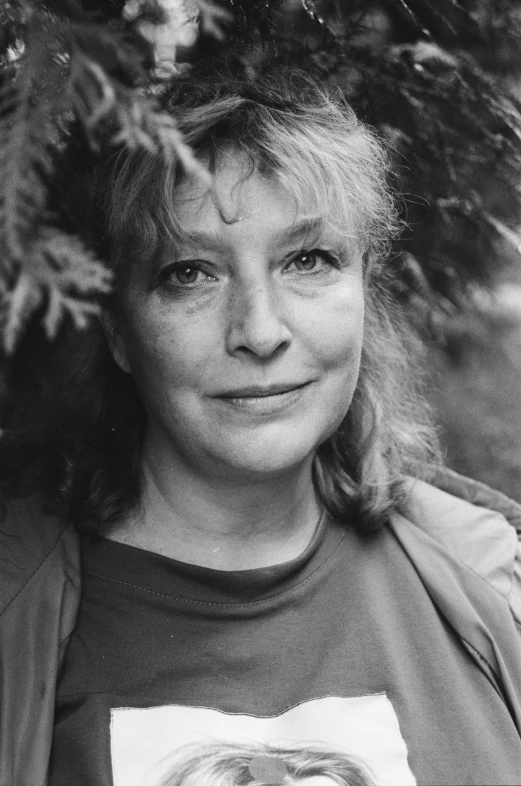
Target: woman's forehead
[[238, 194]]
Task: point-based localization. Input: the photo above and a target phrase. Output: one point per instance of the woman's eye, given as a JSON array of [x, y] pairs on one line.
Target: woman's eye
[[306, 262], [312, 261], [316, 261], [184, 274]]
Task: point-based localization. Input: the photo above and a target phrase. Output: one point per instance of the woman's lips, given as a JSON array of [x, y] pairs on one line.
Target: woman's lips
[[263, 400]]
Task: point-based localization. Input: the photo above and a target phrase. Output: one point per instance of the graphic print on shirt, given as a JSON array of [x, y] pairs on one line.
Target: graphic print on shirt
[[326, 741]]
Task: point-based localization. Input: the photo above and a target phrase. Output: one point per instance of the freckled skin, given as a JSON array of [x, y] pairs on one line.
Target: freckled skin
[[252, 316]]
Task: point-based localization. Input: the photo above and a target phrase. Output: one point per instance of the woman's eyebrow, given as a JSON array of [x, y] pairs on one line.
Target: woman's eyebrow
[[296, 231], [200, 238], [306, 228]]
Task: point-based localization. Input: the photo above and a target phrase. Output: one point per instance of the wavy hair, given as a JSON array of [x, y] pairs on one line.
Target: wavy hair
[[290, 128], [229, 764]]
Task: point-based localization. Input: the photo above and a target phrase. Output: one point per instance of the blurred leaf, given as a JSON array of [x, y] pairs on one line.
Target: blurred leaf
[[61, 59]]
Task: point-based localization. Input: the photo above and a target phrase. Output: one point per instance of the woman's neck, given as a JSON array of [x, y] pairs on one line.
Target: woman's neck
[[222, 523]]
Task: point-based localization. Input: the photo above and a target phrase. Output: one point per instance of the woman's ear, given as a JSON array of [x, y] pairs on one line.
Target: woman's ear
[[115, 340]]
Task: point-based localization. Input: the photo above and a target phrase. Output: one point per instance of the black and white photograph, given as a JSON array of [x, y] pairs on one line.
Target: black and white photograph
[[260, 393]]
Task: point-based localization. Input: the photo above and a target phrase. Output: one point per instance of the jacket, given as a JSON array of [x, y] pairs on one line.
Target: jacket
[[461, 536]]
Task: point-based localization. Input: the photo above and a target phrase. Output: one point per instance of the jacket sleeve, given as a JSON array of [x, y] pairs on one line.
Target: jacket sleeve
[[466, 557], [39, 570], [498, 555], [515, 600]]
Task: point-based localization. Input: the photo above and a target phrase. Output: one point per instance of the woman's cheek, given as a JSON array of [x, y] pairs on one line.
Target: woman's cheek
[[174, 350], [338, 328]]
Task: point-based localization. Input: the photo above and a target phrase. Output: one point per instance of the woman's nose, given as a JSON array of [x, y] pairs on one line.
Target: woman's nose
[[257, 322]]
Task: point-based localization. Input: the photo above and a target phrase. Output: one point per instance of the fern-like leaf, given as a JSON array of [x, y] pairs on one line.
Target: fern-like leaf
[[16, 307], [59, 272], [142, 124], [213, 19], [92, 93], [136, 119], [24, 164]]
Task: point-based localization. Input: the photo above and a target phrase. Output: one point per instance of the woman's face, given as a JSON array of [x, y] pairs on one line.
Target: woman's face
[[244, 340]]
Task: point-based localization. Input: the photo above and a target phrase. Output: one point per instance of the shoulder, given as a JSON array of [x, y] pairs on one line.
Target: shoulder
[[462, 489], [30, 537], [478, 526]]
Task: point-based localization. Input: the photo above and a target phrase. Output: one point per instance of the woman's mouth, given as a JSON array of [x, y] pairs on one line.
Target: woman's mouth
[[263, 400]]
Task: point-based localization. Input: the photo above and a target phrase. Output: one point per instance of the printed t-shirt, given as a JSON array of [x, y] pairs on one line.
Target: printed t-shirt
[[339, 650]]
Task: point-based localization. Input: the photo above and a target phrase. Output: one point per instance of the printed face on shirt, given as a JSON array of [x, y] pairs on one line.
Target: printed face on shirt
[[227, 764], [330, 741], [318, 780], [245, 339]]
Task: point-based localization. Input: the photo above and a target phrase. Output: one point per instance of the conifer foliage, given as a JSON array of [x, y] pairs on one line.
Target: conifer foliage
[[432, 76], [61, 62]]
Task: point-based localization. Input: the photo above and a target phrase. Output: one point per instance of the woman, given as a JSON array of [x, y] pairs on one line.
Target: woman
[[235, 455]]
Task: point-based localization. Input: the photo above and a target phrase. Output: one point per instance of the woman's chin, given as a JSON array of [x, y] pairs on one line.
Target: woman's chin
[[264, 460]]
